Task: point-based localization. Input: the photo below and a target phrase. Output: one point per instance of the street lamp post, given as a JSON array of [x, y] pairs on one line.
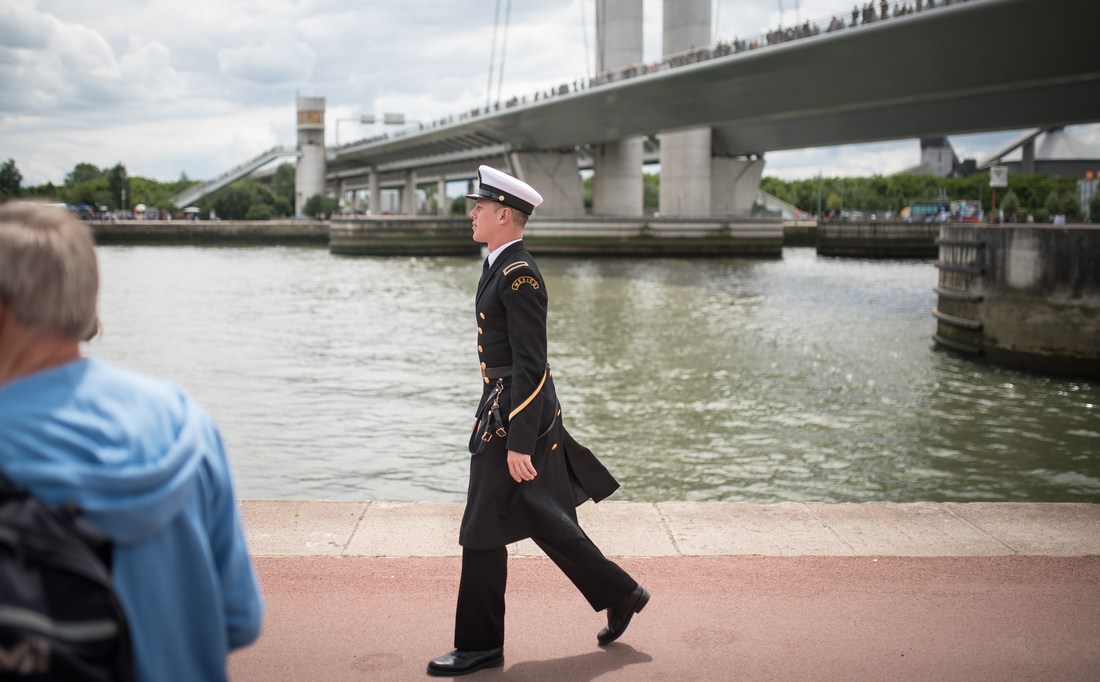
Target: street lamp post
[[366, 119]]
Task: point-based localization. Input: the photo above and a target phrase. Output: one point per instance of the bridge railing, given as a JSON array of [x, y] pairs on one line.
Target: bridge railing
[[863, 14]]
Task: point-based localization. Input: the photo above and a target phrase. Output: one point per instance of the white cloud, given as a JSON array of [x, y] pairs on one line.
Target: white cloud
[[197, 87], [278, 60]]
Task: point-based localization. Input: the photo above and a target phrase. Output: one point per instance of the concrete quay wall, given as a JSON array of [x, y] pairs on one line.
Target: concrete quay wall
[[878, 240], [583, 236], [303, 528], [245, 232], [1025, 296]]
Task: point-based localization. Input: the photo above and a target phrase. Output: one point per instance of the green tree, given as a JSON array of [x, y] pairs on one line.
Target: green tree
[[82, 173], [319, 205], [651, 192], [235, 201], [282, 189], [1010, 205], [11, 180], [258, 212], [1094, 208], [118, 183]]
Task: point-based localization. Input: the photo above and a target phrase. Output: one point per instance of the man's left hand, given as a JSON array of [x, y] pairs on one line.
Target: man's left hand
[[520, 467]]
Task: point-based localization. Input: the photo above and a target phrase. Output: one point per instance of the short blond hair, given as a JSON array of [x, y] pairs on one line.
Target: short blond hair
[[49, 277]]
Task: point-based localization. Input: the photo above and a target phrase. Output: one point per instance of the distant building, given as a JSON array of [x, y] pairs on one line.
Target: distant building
[[1053, 152], [937, 157]]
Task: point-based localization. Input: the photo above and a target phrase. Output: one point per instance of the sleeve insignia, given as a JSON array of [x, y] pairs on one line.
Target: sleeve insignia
[[512, 266], [525, 279]]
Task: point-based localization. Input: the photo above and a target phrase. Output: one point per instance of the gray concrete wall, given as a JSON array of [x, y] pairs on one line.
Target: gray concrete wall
[[1022, 295]]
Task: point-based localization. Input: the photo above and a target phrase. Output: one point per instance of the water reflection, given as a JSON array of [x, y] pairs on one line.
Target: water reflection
[[800, 378]]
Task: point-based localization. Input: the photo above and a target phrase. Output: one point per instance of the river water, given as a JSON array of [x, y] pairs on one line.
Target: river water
[[761, 380]]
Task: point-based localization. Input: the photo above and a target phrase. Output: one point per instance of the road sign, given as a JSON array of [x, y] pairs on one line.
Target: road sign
[[998, 176]]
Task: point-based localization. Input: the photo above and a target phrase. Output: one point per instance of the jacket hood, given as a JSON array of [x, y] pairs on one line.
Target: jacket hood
[[123, 446]]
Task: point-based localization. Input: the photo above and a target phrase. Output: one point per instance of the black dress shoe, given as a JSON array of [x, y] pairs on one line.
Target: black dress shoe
[[460, 662], [619, 615]]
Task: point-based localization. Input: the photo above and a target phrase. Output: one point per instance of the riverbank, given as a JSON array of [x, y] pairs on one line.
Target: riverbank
[[684, 529], [826, 592]]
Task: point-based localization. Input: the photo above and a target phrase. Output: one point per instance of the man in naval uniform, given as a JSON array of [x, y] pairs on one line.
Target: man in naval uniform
[[527, 475]]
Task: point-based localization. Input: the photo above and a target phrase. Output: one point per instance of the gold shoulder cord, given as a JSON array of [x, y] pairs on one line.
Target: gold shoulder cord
[[529, 398]]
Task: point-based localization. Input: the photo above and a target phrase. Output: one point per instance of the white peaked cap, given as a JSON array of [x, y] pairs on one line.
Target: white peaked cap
[[499, 186]]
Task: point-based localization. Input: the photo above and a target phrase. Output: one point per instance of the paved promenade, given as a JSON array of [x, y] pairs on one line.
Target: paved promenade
[[365, 591]]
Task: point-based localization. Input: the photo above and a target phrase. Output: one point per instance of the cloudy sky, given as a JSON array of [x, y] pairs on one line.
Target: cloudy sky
[[196, 87]]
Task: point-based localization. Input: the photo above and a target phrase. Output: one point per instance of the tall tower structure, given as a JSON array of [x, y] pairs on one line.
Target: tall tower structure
[[309, 175], [618, 186], [685, 154]]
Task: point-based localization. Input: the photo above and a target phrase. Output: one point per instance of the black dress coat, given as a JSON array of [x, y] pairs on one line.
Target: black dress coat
[[511, 308]]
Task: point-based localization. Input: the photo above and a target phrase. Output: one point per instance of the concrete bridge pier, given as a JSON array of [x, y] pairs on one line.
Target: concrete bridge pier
[[374, 193], [686, 176], [685, 173], [408, 193], [555, 175], [617, 185], [734, 184]]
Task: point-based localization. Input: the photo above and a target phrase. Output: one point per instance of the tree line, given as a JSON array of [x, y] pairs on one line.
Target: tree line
[[113, 189]]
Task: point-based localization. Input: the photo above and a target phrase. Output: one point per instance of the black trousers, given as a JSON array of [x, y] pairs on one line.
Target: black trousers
[[479, 617]]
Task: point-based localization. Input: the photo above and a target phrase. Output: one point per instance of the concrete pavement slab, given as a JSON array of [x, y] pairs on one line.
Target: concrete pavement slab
[[407, 529], [785, 529], [918, 529], [1037, 528], [300, 527]]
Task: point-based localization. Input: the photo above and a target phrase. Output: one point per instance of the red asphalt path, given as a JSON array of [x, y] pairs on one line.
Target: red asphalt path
[[711, 618]]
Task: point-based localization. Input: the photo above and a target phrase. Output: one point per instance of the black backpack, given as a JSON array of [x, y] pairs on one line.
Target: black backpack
[[60, 618]]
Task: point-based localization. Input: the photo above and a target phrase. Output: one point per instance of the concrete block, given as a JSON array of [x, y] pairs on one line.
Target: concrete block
[[1039, 529], [918, 529], [407, 529], [299, 527], [715, 528]]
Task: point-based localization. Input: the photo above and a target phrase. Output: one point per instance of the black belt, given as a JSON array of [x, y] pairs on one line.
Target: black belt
[[488, 373]]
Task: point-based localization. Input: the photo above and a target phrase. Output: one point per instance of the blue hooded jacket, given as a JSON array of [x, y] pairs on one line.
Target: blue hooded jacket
[[147, 466]]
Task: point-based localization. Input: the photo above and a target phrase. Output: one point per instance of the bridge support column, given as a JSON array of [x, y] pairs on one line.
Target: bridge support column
[[686, 173], [617, 186], [374, 201], [441, 207], [734, 184], [686, 177], [408, 194], [555, 176], [1027, 160]]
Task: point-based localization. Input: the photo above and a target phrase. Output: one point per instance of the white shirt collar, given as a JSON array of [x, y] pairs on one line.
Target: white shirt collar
[[496, 251]]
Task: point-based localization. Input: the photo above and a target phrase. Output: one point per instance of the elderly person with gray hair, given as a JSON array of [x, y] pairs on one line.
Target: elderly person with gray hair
[[144, 461]]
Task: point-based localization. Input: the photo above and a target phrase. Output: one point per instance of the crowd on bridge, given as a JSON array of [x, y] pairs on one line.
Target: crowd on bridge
[[869, 13]]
